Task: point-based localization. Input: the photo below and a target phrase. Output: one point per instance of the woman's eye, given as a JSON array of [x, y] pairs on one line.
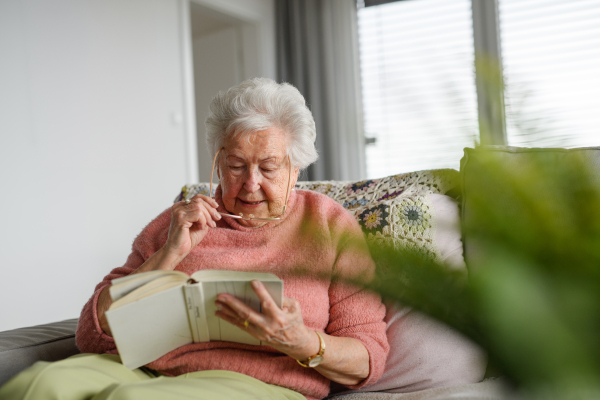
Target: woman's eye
[[269, 168], [269, 172]]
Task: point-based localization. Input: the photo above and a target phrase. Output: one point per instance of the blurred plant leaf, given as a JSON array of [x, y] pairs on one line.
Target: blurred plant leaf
[[532, 299]]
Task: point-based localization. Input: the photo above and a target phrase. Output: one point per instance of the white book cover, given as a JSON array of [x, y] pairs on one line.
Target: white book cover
[[156, 312]]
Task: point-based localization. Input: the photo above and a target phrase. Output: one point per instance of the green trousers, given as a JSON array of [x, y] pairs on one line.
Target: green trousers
[[102, 376]]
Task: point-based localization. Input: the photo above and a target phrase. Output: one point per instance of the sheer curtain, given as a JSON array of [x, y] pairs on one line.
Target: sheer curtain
[[551, 57], [418, 82], [318, 53]]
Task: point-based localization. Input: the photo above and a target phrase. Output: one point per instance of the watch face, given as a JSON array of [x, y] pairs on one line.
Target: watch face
[[315, 361]]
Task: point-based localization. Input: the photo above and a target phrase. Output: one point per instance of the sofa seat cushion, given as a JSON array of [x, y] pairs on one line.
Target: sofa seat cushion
[[495, 389], [20, 348]]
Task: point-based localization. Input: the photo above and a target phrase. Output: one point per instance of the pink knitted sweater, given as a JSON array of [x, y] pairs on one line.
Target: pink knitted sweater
[[317, 236]]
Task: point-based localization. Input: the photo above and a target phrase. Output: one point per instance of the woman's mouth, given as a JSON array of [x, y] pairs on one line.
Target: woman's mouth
[[251, 203]]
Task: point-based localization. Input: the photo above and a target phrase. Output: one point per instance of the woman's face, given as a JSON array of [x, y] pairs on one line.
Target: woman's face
[[254, 173]]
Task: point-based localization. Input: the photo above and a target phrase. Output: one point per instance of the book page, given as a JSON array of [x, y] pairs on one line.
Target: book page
[[222, 330], [121, 286], [154, 286], [243, 291], [212, 275]]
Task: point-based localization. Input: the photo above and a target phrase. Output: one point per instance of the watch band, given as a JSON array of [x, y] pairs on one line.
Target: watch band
[[317, 358]]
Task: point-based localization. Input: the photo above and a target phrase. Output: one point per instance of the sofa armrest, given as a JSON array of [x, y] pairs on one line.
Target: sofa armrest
[[21, 348]]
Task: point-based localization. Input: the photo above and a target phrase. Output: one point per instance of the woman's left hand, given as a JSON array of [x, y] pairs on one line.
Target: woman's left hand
[[282, 328]]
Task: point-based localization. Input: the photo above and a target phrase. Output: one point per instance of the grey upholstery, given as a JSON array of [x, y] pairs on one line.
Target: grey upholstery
[[493, 389], [20, 348]]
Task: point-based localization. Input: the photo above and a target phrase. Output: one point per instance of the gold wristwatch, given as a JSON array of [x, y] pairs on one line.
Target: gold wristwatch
[[317, 359]]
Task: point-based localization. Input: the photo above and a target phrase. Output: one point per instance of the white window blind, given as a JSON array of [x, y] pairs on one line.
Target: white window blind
[[551, 57], [418, 84]]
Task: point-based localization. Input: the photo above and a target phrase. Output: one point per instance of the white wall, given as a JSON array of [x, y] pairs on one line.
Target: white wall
[[92, 143]]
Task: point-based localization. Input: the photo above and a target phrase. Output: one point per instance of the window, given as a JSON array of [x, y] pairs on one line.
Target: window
[[551, 60], [418, 78], [418, 84]]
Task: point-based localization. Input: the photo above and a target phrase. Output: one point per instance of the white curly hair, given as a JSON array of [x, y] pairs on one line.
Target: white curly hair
[[258, 104]]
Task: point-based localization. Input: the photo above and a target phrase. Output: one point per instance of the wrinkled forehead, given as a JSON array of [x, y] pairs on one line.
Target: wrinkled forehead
[[257, 146]]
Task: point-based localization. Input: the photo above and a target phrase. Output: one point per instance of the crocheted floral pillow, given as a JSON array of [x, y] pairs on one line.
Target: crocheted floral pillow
[[395, 210]]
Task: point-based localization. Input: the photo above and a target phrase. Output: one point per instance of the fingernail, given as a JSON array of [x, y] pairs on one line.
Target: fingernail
[[218, 305]]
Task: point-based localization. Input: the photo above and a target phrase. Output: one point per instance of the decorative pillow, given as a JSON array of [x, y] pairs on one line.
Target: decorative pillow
[[409, 210], [189, 191], [447, 235], [396, 209], [425, 353]]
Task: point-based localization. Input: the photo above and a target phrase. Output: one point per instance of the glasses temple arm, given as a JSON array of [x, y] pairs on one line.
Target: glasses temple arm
[[287, 194], [211, 172]]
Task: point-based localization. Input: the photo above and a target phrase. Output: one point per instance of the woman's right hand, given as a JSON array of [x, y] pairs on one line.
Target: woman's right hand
[[190, 223]]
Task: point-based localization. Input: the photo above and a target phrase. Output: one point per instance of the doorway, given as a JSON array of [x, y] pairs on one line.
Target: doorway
[[229, 45]]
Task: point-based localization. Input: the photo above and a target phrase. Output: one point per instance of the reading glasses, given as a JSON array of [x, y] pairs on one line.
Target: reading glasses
[[251, 217]]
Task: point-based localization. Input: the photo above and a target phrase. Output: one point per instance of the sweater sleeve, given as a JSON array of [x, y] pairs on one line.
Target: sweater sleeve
[[90, 337], [356, 312]]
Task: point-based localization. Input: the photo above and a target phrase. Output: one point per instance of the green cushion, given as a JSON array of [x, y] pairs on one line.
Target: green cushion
[[483, 170]]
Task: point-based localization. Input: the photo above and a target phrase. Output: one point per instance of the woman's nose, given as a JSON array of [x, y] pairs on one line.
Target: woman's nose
[[253, 179]]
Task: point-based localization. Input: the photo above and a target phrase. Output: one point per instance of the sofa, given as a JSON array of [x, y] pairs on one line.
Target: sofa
[[422, 211]]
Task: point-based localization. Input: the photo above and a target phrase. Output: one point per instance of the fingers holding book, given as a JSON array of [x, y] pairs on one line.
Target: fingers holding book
[[281, 328]]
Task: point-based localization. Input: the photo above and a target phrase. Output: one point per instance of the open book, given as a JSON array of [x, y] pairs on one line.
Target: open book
[[155, 312]]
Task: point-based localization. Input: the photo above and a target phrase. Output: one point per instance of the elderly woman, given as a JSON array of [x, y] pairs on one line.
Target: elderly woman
[[261, 135]]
